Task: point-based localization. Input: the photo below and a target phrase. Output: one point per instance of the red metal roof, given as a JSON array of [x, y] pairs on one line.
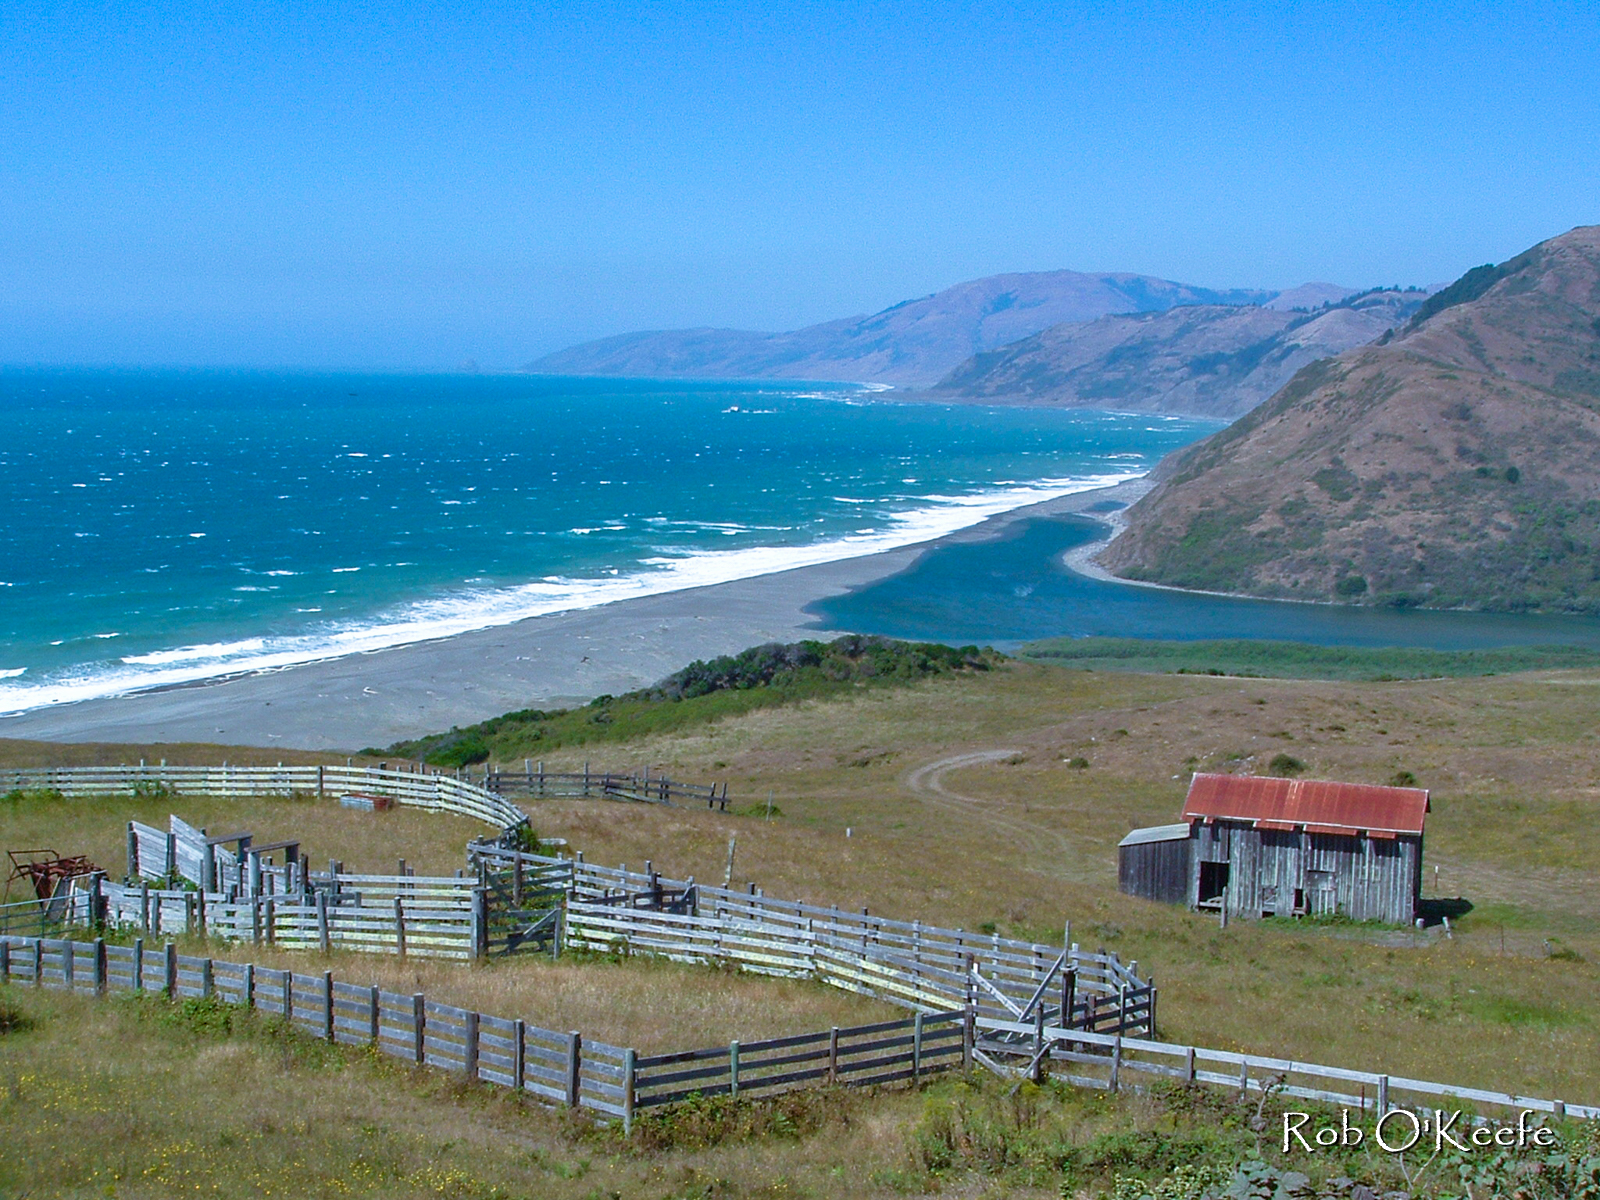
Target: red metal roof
[[1320, 805]]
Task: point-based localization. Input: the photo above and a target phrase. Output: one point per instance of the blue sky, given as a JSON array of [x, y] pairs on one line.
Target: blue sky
[[413, 185]]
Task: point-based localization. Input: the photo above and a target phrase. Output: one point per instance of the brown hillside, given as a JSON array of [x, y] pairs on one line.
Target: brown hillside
[[1203, 360], [1456, 464]]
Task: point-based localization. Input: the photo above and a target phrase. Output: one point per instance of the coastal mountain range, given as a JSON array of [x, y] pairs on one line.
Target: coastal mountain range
[[915, 343], [1202, 360], [1452, 463]]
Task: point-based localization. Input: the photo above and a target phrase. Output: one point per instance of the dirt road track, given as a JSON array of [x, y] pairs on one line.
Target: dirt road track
[[1050, 850]]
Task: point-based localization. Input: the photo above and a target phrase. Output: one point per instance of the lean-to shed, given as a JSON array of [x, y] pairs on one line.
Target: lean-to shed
[[1284, 847]]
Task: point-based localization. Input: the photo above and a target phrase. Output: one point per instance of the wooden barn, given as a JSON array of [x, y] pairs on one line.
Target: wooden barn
[[1284, 847]]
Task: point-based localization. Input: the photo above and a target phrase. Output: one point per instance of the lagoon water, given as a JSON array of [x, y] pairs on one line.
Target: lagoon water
[[166, 527], [1016, 588]]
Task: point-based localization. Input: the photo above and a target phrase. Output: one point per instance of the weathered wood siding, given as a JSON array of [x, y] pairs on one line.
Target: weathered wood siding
[[1155, 870], [1366, 878]]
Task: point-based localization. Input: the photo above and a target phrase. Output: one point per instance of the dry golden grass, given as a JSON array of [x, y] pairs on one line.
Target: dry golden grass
[[125, 1098], [1028, 843], [650, 1004]]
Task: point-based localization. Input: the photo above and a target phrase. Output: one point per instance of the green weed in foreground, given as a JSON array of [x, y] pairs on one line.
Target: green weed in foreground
[[1301, 660], [1180, 1142]]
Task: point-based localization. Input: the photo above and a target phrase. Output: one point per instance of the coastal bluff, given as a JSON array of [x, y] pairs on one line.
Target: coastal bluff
[[1454, 463]]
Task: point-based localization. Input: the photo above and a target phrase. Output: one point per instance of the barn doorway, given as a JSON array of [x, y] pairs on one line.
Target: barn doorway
[[1213, 882]]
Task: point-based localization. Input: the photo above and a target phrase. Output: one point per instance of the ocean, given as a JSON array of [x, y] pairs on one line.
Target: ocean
[[163, 528]]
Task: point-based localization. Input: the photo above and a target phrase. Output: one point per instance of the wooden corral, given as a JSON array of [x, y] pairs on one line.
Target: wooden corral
[[1262, 847]]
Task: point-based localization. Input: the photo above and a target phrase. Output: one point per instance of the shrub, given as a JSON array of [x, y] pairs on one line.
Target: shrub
[[1285, 764], [1402, 779], [13, 1020]]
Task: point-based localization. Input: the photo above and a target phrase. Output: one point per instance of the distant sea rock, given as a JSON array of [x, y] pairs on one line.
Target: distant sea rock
[[1455, 463], [1207, 360], [914, 343]]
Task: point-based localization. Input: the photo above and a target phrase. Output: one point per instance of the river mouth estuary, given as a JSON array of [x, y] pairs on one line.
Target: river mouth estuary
[[1016, 588]]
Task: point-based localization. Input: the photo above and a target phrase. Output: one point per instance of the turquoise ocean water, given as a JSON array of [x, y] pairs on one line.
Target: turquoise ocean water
[[160, 528]]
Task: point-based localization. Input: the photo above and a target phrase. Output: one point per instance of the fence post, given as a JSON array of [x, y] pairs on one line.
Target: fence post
[[287, 984], [323, 940], [1244, 1078], [1188, 1065], [833, 1055], [38, 962], [574, 1068], [69, 961], [272, 919], [733, 1070], [1038, 1043], [170, 979], [249, 998], [1069, 989], [419, 1025], [916, 1048], [519, 1053], [480, 922], [100, 966], [207, 982], [1383, 1096], [327, 1005], [5, 962], [1116, 1063], [400, 926], [969, 1032], [470, 1054], [628, 1079]]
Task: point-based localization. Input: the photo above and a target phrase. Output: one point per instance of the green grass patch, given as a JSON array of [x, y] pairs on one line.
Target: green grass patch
[[1300, 660], [701, 694]]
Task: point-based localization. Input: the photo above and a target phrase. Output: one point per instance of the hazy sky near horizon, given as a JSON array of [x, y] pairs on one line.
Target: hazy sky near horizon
[[413, 184]]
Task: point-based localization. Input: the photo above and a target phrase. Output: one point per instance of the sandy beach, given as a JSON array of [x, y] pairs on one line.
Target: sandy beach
[[549, 661]]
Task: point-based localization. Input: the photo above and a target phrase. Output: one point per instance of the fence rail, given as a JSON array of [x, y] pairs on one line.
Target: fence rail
[[564, 1068], [426, 789], [1102, 1061], [243, 896], [904, 962], [641, 787]]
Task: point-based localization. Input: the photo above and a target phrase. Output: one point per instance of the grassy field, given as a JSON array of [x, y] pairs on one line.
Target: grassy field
[[1024, 841], [1299, 660]]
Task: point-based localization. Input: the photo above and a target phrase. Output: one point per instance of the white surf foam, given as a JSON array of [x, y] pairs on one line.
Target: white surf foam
[[483, 608]]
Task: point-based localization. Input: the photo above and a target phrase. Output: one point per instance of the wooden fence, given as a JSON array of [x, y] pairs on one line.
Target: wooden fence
[[564, 1068], [904, 962], [1098, 1060], [422, 788], [909, 963], [402, 915], [535, 782]]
